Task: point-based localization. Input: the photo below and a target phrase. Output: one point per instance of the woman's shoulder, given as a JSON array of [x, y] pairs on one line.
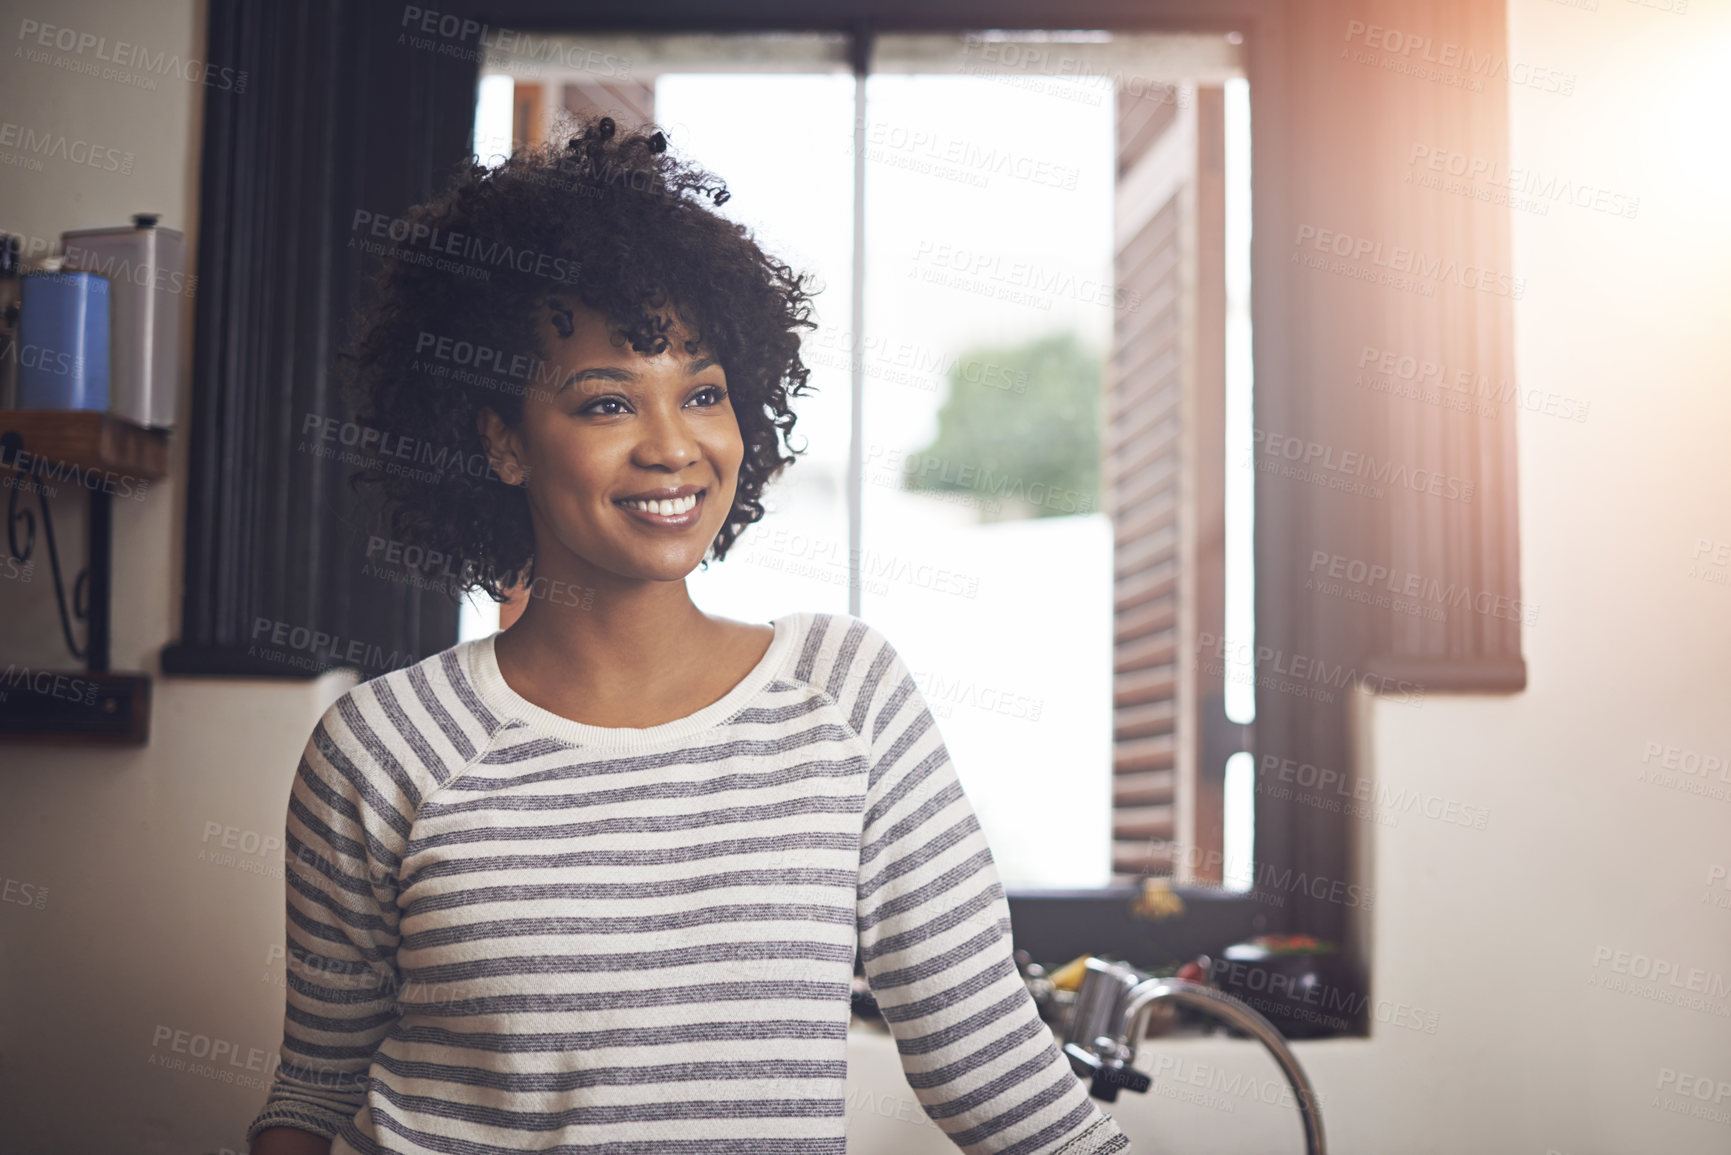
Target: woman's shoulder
[[831, 633], [846, 657], [423, 719]]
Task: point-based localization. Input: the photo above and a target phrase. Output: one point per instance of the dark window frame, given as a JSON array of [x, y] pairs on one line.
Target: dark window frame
[[333, 118]]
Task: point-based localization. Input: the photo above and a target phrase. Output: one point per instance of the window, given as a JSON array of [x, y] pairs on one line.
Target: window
[[1036, 253], [272, 536]]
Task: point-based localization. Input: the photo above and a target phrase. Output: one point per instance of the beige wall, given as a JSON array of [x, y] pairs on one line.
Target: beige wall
[[1496, 931], [137, 933]]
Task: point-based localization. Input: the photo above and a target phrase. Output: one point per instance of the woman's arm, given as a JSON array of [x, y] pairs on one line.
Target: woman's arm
[[348, 818], [289, 1141], [934, 937]]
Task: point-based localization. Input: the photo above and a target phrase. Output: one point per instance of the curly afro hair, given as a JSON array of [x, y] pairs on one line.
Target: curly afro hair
[[612, 219]]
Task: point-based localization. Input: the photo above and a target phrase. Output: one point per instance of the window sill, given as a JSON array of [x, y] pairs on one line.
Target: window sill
[[1505, 675], [1055, 927]]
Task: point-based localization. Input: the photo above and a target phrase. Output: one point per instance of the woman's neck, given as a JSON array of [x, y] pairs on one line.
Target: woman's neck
[[637, 649]]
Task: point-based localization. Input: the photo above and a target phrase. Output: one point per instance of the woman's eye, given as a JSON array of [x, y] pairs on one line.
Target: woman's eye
[[706, 398]]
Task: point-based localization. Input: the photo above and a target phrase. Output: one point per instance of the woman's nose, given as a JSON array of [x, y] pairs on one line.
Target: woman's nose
[[666, 439]]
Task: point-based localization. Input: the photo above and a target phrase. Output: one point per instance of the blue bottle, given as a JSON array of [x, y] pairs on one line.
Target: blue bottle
[[63, 341]]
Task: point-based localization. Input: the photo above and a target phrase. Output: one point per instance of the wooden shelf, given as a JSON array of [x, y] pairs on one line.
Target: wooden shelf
[[94, 706], [86, 439], [74, 708]]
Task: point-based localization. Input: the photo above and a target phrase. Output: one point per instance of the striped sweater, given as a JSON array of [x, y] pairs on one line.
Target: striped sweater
[[510, 931]]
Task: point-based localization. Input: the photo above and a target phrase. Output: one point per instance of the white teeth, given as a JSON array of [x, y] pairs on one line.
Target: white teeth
[[670, 508]]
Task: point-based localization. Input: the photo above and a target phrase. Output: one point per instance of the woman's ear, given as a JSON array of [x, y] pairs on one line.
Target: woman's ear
[[504, 449]]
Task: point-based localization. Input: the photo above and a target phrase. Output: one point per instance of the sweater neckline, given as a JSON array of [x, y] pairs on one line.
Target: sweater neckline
[[490, 684]]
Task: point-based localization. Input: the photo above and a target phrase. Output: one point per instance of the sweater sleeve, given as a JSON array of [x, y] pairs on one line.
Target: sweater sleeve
[[934, 940], [348, 821]]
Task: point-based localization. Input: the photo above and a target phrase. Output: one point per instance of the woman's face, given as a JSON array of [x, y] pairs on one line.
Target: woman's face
[[609, 429]]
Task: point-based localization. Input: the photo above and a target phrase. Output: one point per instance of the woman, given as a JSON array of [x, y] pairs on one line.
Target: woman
[[596, 883]]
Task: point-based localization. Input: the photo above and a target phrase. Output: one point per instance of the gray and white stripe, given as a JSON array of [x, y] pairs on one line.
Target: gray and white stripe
[[511, 932]]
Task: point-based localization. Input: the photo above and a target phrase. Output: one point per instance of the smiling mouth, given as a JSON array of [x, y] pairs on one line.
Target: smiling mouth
[[674, 511]]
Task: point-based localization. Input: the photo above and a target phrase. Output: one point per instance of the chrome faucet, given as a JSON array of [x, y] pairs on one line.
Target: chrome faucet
[[1111, 1007]]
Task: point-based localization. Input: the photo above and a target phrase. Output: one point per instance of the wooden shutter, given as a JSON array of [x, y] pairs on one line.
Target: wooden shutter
[[629, 101], [528, 124], [1164, 474]]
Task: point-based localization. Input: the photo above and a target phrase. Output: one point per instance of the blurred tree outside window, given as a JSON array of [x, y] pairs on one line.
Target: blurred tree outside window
[[1018, 434]]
